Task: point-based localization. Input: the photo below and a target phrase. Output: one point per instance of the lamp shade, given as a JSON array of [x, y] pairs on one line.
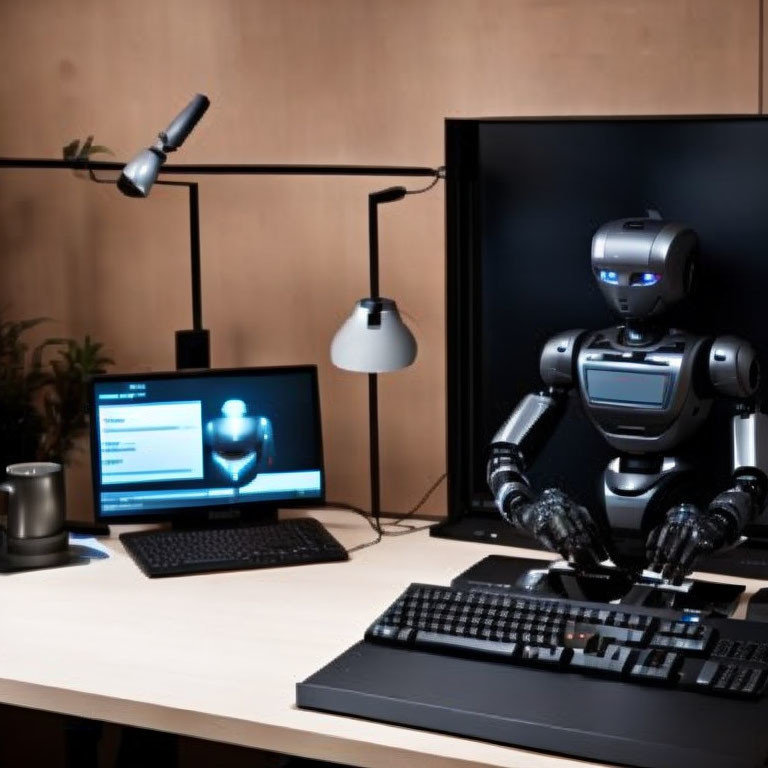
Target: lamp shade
[[140, 174], [373, 339]]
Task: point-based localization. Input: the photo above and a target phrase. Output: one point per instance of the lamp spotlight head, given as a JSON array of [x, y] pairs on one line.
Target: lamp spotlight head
[[140, 174]]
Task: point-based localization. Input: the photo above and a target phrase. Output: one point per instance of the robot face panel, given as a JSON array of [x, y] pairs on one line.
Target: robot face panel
[[643, 266]]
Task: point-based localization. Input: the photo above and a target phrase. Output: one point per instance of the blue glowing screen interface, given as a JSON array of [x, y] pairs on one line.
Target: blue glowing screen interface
[[190, 441]]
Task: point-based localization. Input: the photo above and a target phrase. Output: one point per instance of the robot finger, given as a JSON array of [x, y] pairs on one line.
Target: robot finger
[[585, 548], [688, 554], [678, 554], [661, 546], [672, 573], [561, 536], [582, 523], [559, 527], [652, 544], [675, 571], [590, 530], [544, 539]]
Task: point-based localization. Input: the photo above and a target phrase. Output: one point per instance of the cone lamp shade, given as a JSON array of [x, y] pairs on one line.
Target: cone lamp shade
[[373, 339]]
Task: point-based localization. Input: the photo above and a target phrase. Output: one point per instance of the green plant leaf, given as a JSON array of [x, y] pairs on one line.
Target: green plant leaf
[[98, 149], [43, 396], [69, 151], [76, 150]]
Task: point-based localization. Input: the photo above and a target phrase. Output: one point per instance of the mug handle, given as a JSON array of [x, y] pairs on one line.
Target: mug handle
[[6, 489]]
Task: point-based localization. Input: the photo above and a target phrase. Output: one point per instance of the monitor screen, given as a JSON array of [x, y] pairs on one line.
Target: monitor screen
[[188, 443]]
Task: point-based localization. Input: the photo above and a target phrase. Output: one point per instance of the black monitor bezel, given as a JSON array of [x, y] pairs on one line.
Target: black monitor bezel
[[462, 208], [247, 511]]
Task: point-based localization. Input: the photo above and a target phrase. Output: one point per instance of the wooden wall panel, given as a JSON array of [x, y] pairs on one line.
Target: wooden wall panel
[[309, 81], [762, 58]]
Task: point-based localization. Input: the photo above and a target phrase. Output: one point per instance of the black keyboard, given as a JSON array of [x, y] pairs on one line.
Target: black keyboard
[[643, 645], [296, 541]]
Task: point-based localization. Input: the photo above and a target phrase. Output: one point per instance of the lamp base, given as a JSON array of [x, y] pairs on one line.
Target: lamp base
[[193, 349]]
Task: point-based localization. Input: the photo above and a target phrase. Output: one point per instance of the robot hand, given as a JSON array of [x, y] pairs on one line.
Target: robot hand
[[563, 526], [688, 534]]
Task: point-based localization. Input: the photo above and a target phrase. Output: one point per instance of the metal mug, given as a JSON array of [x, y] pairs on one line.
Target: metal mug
[[33, 499]]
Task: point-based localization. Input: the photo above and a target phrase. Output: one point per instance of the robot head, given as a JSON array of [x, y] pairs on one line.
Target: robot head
[[241, 445], [643, 266]]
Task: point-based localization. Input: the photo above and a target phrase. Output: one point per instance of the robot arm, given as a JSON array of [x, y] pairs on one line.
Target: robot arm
[[688, 534], [555, 520]]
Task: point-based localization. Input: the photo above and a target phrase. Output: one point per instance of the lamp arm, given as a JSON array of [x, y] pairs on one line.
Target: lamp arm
[[194, 248], [226, 169], [388, 195], [182, 125]]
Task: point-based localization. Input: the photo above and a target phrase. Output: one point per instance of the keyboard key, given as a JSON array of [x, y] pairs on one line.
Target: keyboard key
[[707, 674], [678, 642], [654, 665], [435, 641], [614, 660], [550, 656], [580, 636]]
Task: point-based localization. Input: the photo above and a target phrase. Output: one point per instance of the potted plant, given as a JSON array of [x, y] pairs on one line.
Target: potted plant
[[43, 392]]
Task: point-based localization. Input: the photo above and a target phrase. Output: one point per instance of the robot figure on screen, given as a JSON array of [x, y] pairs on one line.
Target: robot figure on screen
[[647, 388], [241, 445]]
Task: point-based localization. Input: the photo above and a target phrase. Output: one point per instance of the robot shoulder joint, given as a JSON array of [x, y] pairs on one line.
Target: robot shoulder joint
[[734, 369], [557, 364]]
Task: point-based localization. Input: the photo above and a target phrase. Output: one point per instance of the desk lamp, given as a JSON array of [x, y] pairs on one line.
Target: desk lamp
[[136, 180], [374, 339]]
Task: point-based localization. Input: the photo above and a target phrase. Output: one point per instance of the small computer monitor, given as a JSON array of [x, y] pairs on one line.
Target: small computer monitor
[[194, 446]]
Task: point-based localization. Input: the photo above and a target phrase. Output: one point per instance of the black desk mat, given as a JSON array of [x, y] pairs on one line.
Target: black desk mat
[[561, 713]]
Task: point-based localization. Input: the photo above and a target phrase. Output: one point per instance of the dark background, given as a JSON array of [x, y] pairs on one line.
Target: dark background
[[543, 188]]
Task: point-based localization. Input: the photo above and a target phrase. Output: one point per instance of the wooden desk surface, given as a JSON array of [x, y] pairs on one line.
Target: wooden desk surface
[[218, 656]]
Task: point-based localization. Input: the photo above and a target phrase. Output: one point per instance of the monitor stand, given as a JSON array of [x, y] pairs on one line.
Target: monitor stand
[[605, 584], [226, 518]]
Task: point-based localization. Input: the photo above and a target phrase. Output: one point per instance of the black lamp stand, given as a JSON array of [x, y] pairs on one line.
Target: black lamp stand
[[193, 346], [374, 318]]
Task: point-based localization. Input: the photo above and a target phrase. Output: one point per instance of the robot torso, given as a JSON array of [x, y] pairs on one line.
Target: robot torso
[[649, 398], [646, 399]]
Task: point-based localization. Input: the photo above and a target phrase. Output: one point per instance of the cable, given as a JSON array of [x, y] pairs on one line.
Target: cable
[[399, 518], [422, 501], [439, 174], [366, 544]]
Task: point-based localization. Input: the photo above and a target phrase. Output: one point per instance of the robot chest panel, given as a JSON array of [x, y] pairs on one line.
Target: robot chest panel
[[642, 399]]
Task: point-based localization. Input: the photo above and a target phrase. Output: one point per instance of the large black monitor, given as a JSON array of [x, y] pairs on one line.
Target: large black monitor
[[189, 446], [524, 197]]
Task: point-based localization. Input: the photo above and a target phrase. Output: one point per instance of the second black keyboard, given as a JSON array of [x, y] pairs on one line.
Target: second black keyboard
[[643, 645], [296, 541]]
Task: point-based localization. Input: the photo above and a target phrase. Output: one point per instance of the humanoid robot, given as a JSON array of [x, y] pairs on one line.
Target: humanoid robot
[[646, 388], [241, 445]]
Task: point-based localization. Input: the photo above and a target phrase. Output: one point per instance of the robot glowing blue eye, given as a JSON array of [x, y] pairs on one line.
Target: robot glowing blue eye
[[609, 276], [644, 278]]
